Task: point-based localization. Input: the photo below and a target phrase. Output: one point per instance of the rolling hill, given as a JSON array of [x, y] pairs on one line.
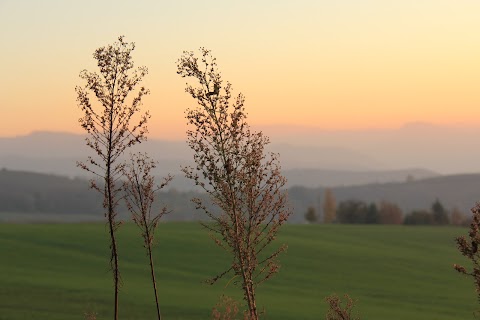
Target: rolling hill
[[26, 196]]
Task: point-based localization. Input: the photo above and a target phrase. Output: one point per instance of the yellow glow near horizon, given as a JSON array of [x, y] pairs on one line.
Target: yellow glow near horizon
[[331, 64]]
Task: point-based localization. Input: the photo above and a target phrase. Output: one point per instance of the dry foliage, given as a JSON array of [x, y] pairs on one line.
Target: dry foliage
[[140, 189], [91, 315], [226, 309], [338, 312], [469, 249], [242, 180], [389, 213], [111, 128]]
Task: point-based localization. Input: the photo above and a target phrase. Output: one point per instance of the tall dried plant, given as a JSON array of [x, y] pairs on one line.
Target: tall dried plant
[[140, 189], [469, 249], [242, 180], [113, 125]]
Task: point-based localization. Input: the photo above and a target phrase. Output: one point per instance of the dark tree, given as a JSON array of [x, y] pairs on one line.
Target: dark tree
[[352, 211], [440, 215], [372, 216], [311, 216], [112, 128], [233, 168]]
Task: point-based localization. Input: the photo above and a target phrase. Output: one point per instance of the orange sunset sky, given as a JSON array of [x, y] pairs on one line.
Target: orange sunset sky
[[343, 64]]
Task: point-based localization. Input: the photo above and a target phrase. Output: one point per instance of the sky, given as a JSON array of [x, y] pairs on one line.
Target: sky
[[333, 65]]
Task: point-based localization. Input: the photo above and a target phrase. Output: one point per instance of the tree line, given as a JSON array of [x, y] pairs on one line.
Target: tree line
[[28, 192], [360, 212]]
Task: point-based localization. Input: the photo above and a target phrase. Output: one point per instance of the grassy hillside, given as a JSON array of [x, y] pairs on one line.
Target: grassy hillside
[[59, 271]]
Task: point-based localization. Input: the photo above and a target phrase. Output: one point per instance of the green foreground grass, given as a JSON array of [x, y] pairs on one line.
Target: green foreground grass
[[60, 271]]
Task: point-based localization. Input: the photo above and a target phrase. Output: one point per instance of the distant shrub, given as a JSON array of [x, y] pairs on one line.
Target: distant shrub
[[458, 218], [352, 211], [389, 213], [311, 216]]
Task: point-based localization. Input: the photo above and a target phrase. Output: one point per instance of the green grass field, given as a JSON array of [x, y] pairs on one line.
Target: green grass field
[[60, 271]]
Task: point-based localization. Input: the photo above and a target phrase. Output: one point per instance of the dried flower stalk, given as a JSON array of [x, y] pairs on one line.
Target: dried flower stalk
[[140, 189], [111, 129], [242, 180]]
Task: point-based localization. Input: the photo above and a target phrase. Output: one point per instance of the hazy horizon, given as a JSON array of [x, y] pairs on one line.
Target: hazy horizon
[[279, 130], [442, 149]]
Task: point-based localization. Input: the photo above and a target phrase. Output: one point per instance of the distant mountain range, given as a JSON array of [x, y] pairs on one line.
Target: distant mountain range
[[309, 166], [313, 178], [444, 149]]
